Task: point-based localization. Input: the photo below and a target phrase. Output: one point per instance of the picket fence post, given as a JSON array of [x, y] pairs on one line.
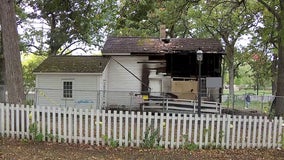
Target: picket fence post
[[280, 131], [138, 130], [132, 129], [126, 128]]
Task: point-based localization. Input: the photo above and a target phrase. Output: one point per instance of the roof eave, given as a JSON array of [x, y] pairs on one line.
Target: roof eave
[[115, 53], [66, 73]]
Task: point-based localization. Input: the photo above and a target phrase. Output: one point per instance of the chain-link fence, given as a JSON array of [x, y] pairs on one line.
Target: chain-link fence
[[89, 99], [260, 103]]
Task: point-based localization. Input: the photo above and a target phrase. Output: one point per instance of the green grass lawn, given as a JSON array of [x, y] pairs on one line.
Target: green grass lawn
[[254, 105]]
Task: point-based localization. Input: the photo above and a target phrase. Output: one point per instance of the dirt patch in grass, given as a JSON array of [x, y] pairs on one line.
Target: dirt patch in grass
[[26, 150]]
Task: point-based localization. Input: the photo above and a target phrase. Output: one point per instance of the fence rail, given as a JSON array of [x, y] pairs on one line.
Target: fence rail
[[180, 105], [95, 127]]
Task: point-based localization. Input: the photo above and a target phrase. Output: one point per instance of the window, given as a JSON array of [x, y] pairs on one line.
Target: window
[[67, 89]]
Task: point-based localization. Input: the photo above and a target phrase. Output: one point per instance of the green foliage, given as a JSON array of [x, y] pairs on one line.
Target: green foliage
[[66, 23], [151, 137], [53, 137], [133, 19], [271, 114], [271, 36], [29, 102], [37, 135], [29, 63], [221, 136], [33, 129], [243, 78], [248, 76], [143, 18], [239, 103], [260, 67], [244, 90], [113, 143], [189, 145], [105, 138]]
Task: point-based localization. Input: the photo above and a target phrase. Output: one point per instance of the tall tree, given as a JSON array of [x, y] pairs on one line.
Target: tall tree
[[276, 8], [227, 21], [260, 67], [72, 22], [10, 41], [134, 18], [143, 18]]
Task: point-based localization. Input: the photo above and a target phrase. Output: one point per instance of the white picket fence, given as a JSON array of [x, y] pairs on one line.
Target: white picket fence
[[93, 127]]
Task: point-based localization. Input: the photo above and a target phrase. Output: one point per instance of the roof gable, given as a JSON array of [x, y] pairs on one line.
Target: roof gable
[[156, 45], [73, 64]]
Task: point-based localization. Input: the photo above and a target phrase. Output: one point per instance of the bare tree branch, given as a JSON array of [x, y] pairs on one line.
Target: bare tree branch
[[68, 46], [79, 48]]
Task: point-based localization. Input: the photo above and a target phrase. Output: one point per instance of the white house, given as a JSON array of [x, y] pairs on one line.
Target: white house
[[71, 81], [128, 68]]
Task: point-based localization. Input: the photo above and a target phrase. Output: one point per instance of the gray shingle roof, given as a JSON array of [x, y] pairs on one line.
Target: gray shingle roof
[[73, 64], [155, 45]]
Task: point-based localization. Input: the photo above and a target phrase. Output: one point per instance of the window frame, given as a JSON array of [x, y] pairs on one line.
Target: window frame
[[68, 93]]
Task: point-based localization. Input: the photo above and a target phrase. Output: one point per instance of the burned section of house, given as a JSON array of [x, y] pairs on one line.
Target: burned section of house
[[166, 66], [182, 66]]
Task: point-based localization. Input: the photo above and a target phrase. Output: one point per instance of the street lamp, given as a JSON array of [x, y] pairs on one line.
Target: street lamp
[[199, 57]]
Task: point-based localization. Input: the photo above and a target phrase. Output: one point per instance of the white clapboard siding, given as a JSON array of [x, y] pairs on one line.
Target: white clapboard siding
[[95, 127], [85, 87], [127, 74]]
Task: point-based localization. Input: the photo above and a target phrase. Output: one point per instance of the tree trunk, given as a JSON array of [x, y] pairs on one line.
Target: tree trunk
[[279, 108], [231, 68], [274, 74], [10, 39], [2, 77], [53, 42], [2, 70]]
